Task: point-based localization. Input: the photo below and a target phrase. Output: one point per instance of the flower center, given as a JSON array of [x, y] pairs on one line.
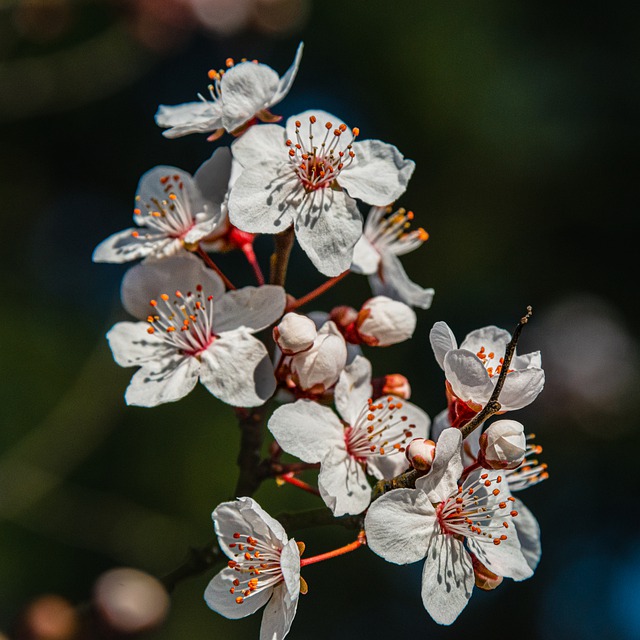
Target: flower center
[[185, 323], [489, 362], [171, 215], [530, 472], [380, 429], [318, 165], [477, 510], [389, 230], [257, 563]]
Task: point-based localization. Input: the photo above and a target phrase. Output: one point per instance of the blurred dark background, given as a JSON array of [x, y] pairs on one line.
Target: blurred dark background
[[523, 121]]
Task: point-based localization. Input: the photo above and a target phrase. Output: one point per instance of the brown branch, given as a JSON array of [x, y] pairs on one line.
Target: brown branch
[[406, 480], [280, 257], [212, 265], [493, 405], [251, 423], [197, 561]]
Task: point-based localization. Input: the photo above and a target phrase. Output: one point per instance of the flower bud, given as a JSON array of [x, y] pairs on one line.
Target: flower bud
[[295, 333], [503, 445], [420, 453], [49, 617], [394, 384], [318, 368], [485, 579], [383, 322]]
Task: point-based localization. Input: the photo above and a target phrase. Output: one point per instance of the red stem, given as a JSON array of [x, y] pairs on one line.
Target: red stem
[[250, 255], [318, 291], [291, 479], [212, 265], [467, 470], [356, 544]]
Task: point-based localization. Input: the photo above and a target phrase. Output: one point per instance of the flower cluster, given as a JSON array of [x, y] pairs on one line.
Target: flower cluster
[[441, 493]]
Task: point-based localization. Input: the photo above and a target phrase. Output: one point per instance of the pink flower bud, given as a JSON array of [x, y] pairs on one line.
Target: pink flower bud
[[294, 334], [383, 322], [394, 384], [420, 453], [503, 445]]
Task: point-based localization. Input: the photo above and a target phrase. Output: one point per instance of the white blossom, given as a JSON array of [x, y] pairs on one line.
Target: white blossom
[[263, 568], [172, 210], [295, 333], [307, 175], [369, 437], [237, 95], [382, 322], [386, 237], [446, 525], [473, 369], [194, 332]]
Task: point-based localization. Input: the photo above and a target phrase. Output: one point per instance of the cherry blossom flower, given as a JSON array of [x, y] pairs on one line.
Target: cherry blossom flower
[[263, 568], [473, 369], [448, 525], [368, 438], [194, 332], [308, 175], [386, 237], [172, 210], [244, 91]]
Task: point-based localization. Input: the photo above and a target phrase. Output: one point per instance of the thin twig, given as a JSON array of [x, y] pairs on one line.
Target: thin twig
[[197, 561], [312, 295], [212, 265], [280, 257]]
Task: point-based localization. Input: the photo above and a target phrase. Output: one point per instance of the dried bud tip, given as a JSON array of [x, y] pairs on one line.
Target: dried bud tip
[[485, 579], [394, 384], [420, 453]]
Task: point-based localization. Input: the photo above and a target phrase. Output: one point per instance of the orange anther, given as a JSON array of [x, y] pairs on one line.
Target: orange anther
[[135, 234], [153, 303], [513, 513], [496, 492], [137, 212], [173, 196], [356, 131], [151, 330], [312, 119], [229, 62], [239, 600], [164, 296], [298, 124], [343, 127]]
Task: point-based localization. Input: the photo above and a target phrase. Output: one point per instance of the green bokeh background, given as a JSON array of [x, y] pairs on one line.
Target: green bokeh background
[[523, 121]]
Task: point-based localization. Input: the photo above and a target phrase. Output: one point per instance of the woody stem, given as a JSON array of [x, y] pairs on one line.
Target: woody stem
[[212, 265]]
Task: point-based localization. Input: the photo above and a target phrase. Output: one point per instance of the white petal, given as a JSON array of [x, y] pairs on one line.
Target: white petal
[[265, 198], [236, 369], [306, 430], [190, 117], [124, 247], [260, 144], [287, 79], [132, 345], [328, 224], [399, 525], [246, 88], [379, 174], [278, 615], [253, 308], [213, 177], [247, 517], [395, 283], [521, 388], [442, 341], [467, 376], [290, 565], [343, 484], [218, 597], [491, 338], [442, 479], [504, 559], [353, 389], [145, 282], [163, 381], [533, 359], [388, 321], [447, 579], [528, 534], [365, 257]]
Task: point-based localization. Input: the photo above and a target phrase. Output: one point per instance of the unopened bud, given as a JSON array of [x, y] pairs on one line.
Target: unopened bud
[[130, 601], [420, 453], [503, 445], [383, 322], [295, 334], [394, 384], [49, 617], [485, 579]]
